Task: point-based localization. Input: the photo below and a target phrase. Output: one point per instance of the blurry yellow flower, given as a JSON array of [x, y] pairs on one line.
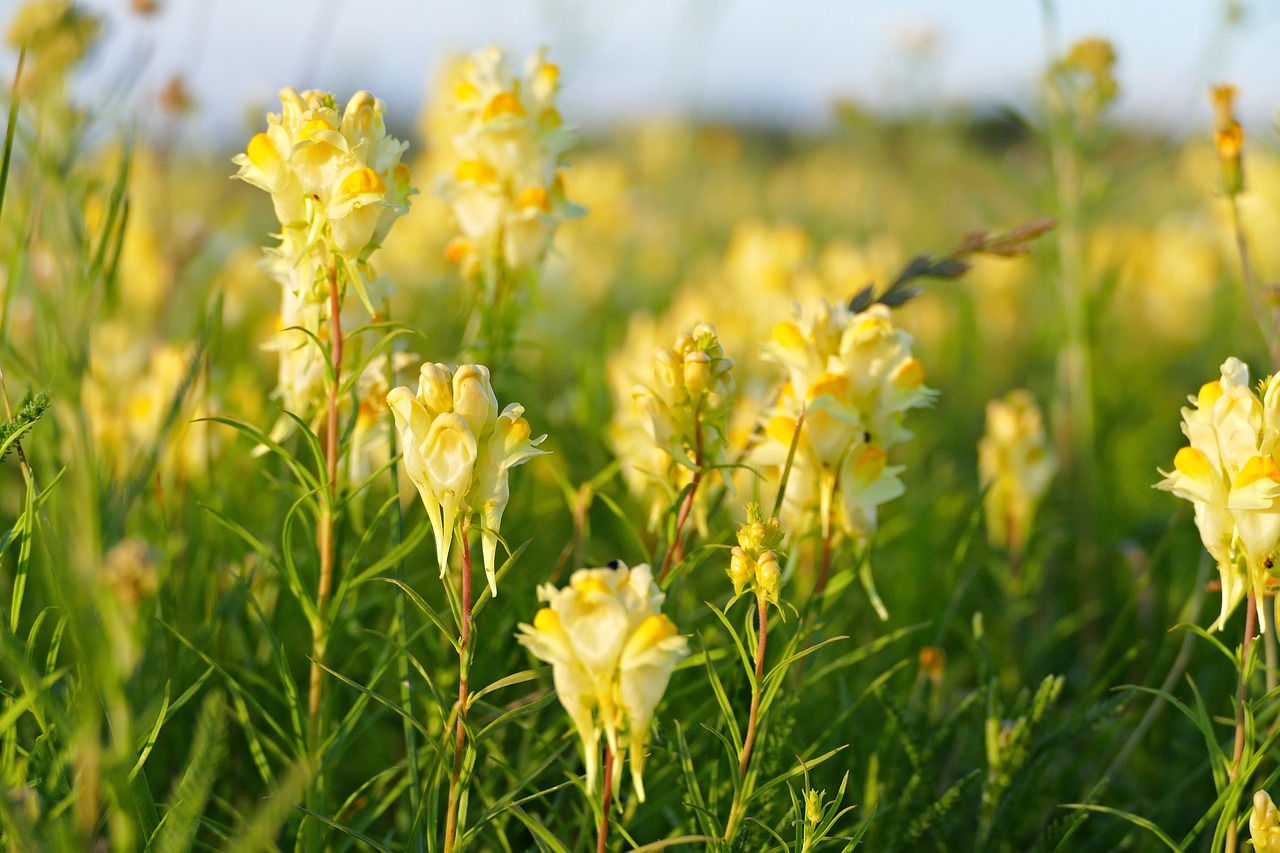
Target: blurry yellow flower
[[1264, 824], [851, 377], [142, 398], [458, 449], [505, 186], [685, 408], [1228, 138], [1229, 473], [56, 34], [1015, 466], [612, 652]]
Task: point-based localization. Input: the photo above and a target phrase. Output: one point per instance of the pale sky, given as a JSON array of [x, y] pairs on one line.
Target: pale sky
[[779, 61]]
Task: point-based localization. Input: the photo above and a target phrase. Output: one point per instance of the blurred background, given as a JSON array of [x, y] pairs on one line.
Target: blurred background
[[750, 61]]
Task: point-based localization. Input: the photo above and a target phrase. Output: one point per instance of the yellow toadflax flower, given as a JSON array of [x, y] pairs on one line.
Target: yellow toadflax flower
[[852, 377], [458, 449], [1229, 473], [329, 174], [1015, 466], [505, 187], [1264, 824], [612, 652]]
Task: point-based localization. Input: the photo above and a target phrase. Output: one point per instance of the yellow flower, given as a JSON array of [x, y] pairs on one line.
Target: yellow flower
[[458, 449], [612, 652], [505, 189], [1264, 824], [851, 377], [1230, 474], [1015, 466], [686, 407], [330, 174]]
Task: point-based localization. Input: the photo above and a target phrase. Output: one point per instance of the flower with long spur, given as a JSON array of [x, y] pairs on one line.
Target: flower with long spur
[[612, 652], [1229, 473], [459, 450]]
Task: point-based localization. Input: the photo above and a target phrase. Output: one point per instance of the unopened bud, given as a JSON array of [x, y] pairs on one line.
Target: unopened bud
[[667, 368], [813, 806], [697, 373], [741, 571], [769, 576]]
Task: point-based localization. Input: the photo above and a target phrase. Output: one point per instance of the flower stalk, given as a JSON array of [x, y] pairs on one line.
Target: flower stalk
[[451, 827], [328, 510], [606, 800], [753, 718], [1237, 755]]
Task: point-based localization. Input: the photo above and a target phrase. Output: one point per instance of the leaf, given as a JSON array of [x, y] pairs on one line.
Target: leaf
[[192, 790], [155, 733], [1134, 819], [343, 828], [546, 840], [425, 608]]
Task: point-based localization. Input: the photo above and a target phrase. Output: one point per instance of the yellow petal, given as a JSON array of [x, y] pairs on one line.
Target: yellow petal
[[590, 583], [830, 384], [1257, 468], [503, 103], [1209, 394], [535, 197], [476, 171], [362, 182], [1193, 464]]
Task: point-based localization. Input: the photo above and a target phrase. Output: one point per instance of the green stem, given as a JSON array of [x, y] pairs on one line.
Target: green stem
[[325, 532], [1250, 624], [753, 718]]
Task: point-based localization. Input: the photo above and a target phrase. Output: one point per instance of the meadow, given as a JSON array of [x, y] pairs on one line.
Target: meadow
[[467, 482]]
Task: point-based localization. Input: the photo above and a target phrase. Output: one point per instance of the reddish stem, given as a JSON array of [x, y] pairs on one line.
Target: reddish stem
[[687, 506], [460, 737], [602, 843]]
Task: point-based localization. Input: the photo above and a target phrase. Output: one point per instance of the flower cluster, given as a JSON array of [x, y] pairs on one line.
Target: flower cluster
[[1230, 474], [612, 652], [332, 177], [458, 450], [851, 378], [337, 185], [753, 562], [1015, 466], [505, 187]]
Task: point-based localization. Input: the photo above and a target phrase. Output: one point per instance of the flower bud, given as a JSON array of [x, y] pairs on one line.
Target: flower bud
[[813, 806], [697, 373], [769, 576], [741, 571]]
